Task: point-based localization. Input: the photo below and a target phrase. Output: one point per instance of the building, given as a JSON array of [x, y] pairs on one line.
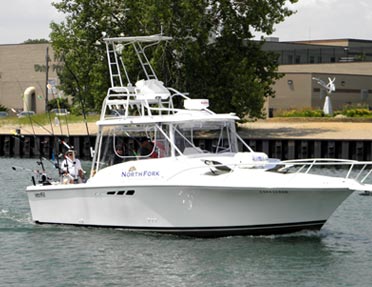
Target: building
[[23, 69], [349, 61]]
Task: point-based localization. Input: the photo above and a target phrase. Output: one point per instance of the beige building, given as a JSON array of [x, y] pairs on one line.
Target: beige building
[[23, 69], [348, 61]]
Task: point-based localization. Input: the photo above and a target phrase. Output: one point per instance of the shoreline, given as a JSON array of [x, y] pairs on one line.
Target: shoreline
[[281, 128], [307, 129]]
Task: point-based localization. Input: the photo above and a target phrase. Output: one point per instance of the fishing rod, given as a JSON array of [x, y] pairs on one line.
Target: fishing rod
[[49, 86], [34, 121], [40, 162], [57, 164], [16, 168], [20, 168], [81, 99], [48, 112], [42, 177]]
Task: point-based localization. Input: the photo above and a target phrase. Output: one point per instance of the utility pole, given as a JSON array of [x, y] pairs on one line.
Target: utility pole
[[46, 78]]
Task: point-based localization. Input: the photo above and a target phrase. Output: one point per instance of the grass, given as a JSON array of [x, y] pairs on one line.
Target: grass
[[307, 112], [43, 119], [349, 112]]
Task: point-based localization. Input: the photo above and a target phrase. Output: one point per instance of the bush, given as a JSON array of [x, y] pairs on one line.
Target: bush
[[302, 113], [350, 112], [357, 113], [3, 108]]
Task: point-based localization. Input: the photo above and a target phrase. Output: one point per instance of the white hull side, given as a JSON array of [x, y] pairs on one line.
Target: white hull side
[[192, 210]]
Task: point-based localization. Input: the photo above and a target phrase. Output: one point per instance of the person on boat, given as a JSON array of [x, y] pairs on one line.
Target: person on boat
[[71, 168], [147, 149], [118, 155], [160, 148]]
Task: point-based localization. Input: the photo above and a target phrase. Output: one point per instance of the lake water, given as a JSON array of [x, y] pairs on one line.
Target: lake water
[[49, 255]]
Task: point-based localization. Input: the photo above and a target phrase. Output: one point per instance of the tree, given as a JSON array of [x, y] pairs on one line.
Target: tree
[[58, 104], [212, 54], [35, 41]]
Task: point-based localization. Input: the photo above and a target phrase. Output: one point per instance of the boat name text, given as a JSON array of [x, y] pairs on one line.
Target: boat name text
[[40, 194], [145, 173], [274, 191]]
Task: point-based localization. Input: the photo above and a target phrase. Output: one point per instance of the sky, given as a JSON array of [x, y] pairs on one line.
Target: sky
[[21, 20], [327, 19]]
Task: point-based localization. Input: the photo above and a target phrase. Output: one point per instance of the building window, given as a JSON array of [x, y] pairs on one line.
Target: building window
[[290, 59], [364, 94], [322, 94]]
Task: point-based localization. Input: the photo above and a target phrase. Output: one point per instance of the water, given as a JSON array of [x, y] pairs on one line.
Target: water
[[48, 255]]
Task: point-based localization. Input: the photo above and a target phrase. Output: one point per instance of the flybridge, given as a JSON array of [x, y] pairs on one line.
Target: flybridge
[[146, 97], [114, 49]]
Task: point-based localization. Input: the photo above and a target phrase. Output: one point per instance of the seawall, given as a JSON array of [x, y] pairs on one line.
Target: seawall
[[43, 145], [283, 139]]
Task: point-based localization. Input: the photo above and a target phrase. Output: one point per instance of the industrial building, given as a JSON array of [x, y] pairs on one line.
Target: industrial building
[[23, 77], [349, 61]]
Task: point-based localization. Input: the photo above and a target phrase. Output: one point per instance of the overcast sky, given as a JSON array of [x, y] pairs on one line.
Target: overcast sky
[[21, 20], [327, 19]]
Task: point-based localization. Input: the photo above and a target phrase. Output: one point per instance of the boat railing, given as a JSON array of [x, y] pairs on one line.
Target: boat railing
[[356, 170], [122, 102]]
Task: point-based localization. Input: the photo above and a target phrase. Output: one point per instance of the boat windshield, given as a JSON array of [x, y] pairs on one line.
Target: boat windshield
[[135, 142], [192, 139]]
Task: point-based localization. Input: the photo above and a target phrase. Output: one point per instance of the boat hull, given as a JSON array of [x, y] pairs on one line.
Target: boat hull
[[210, 232], [187, 210]]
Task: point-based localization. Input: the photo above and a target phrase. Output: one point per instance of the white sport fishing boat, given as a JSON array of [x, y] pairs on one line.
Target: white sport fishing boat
[[164, 182]]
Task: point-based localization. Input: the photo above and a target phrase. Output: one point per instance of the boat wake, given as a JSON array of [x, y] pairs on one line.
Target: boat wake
[[11, 219]]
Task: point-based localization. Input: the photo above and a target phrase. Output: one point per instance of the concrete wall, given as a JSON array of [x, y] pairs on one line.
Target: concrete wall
[[297, 90], [23, 66], [353, 68], [354, 90], [293, 91]]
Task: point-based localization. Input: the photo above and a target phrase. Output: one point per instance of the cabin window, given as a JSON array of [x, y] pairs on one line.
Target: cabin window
[[124, 143]]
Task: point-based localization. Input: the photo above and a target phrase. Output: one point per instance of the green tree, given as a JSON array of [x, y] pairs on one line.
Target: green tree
[[212, 54], [58, 104], [35, 41]]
